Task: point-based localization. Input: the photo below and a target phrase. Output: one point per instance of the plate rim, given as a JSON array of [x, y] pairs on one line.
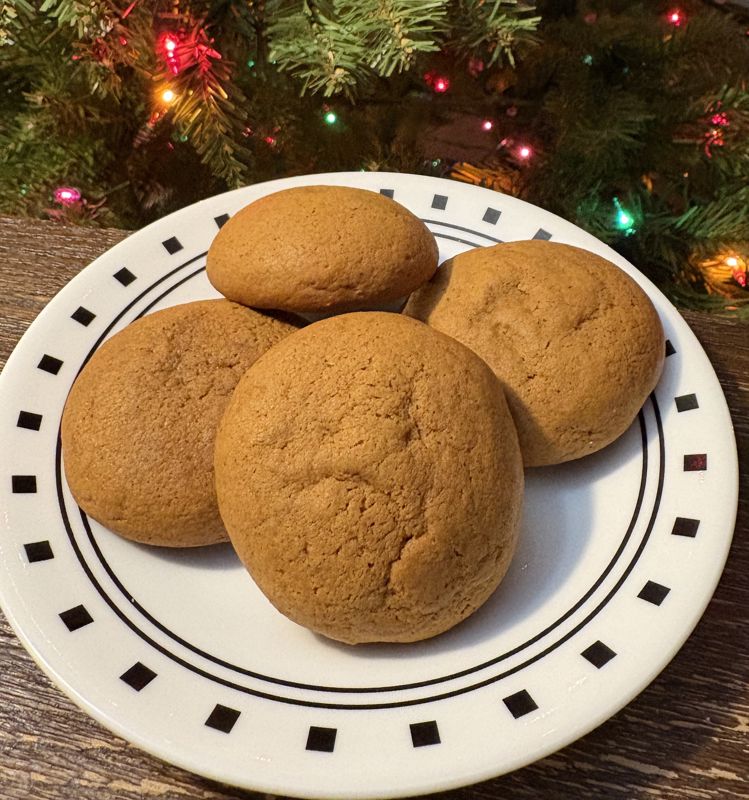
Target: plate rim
[[464, 778]]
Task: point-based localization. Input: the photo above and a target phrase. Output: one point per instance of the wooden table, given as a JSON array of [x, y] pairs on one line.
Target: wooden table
[[685, 736]]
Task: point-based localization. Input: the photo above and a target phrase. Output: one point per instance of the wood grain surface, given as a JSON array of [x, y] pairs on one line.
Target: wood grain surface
[[685, 736]]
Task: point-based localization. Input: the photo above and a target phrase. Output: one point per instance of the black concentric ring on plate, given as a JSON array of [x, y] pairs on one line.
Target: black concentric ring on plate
[[360, 690]]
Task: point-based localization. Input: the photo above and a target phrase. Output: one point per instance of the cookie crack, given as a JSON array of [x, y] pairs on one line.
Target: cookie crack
[[411, 408]]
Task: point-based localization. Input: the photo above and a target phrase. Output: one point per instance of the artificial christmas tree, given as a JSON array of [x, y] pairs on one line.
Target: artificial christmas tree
[[630, 119]]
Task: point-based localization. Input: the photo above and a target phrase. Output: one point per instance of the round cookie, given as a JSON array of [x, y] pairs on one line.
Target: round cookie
[[139, 424], [369, 476], [320, 249], [576, 342]]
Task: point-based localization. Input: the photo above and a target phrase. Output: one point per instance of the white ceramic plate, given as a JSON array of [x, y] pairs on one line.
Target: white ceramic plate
[[182, 655]]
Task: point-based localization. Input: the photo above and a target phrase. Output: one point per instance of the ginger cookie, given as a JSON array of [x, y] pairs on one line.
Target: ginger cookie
[[575, 341], [321, 249], [139, 424], [369, 476]]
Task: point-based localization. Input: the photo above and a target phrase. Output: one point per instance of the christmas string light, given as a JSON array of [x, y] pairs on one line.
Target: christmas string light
[[713, 138], [623, 221], [330, 118], [168, 96], [67, 195], [676, 17], [525, 152], [475, 67], [722, 268], [169, 44], [487, 125], [437, 83]]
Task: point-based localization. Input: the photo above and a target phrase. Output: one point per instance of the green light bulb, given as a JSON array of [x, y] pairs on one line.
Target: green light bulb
[[331, 118], [624, 221]]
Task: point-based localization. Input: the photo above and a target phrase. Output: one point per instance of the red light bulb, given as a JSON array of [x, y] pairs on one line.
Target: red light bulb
[[67, 195], [441, 85], [487, 125], [169, 43]]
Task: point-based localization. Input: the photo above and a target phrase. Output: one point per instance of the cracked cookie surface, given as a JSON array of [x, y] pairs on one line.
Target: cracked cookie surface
[[319, 249], [139, 424], [369, 476], [575, 341]]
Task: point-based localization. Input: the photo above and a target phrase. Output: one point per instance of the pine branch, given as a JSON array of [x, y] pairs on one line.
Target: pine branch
[[688, 297], [89, 18], [13, 16], [724, 217], [395, 31], [204, 110], [493, 29], [309, 41]]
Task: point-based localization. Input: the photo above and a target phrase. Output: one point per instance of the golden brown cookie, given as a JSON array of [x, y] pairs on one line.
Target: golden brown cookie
[[140, 421], [369, 476], [576, 342], [321, 248]]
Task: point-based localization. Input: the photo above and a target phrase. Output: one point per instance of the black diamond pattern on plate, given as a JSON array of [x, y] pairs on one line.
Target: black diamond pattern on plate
[[23, 484], [172, 245], [138, 676], [75, 618], [222, 718], [49, 364], [38, 551], [598, 654], [424, 733], [654, 593], [695, 462], [124, 276], [520, 703], [686, 402], [29, 420], [83, 316], [685, 526], [321, 739]]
